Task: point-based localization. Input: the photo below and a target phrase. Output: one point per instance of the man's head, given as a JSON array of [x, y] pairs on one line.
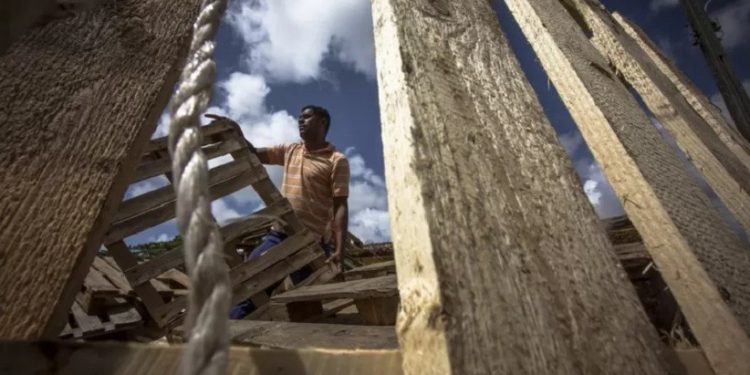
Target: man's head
[[314, 123]]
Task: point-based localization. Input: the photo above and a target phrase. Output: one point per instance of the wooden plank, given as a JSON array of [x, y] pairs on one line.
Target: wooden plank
[[479, 215], [268, 276], [157, 206], [283, 250], [694, 361], [378, 311], [384, 286], [728, 135], [175, 276], [375, 269], [120, 359], [731, 89], [208, 131], [97, 285], [163, 165], [146, 292], [112, 274], [287, 335], [89, 324], [722, 170], [672, 214], [74, 126]]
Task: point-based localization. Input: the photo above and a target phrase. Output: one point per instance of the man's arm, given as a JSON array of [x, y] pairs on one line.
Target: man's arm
[[340, 228]]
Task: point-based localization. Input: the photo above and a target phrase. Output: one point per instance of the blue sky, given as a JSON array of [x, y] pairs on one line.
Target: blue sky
[[275, 56]]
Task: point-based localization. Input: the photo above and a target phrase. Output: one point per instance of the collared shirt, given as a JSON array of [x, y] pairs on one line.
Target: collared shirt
[[311, 180]]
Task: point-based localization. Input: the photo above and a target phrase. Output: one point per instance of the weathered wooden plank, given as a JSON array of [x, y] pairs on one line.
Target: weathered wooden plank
[[286, 248], [674, 217], [730, 87], [88, 324], [158, 206], [375, 269], [723, 171], [728, 135], [208, 132], [163, 165], [121, 359], [378, 311], [173, 275], [384, 286], [254, 284], [74, 125], [112, 274], [482, 211], [148, 295], [287, 335]]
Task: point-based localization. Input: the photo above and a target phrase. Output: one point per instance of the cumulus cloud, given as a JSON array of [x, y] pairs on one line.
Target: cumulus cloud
[[598, 190], [288, 40], [595, 184], [657, 5], [368, 202], [144, 186], [733, 19]]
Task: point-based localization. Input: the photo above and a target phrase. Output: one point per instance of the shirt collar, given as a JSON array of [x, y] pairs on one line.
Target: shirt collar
[[329, 148]]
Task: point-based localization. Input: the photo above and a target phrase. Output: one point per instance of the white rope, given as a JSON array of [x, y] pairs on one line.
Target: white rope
[[210, 294]]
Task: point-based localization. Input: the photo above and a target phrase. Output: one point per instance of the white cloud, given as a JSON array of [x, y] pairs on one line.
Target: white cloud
[[245, 95], [371, 225], [368, 202], [599, 191], [144, 186], [595, 184], [733, 19], [163, 237], [571, 141], [288, 40], [657, 5], [223, 211]]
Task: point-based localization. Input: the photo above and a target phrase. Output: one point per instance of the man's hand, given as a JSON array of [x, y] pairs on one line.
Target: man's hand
[[335, 261], [218, 118]]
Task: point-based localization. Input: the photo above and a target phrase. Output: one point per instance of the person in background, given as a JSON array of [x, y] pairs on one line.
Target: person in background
[[316, 183]]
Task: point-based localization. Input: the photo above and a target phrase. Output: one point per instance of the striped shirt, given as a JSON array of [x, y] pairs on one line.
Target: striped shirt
[[311, 180]]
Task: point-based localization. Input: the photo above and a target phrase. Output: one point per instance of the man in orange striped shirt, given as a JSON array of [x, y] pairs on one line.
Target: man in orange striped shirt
[[316, 183]]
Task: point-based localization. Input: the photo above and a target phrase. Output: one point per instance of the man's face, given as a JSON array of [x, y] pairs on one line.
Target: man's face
[[310, 125]]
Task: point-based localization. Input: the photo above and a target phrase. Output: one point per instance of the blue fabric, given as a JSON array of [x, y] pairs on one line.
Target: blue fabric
[[272, 239]]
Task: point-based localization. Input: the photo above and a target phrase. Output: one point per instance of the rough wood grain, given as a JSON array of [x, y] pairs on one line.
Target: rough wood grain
[[79, 98], [502, 264], [731, 89], [709, 112], [722, 170], [68, 358], [674, 217]]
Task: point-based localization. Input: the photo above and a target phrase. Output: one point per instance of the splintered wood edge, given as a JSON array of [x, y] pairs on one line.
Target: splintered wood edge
[[23, 357]]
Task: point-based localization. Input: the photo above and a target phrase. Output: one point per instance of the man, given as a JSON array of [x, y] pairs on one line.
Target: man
[[316, 183]]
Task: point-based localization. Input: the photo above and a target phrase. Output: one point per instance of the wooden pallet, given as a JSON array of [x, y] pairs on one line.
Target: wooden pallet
[[249, 279]]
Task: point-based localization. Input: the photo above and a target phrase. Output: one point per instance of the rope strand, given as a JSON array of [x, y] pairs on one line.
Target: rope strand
[[210, 294]]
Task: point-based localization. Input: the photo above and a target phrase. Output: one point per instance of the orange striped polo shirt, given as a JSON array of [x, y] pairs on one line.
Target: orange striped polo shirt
[[311, 180]]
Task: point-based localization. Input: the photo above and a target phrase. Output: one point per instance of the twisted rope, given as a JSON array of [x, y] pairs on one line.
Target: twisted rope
[[210, 295]]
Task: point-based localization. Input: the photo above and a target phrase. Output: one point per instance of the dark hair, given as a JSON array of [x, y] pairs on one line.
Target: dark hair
[[320, 111]]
